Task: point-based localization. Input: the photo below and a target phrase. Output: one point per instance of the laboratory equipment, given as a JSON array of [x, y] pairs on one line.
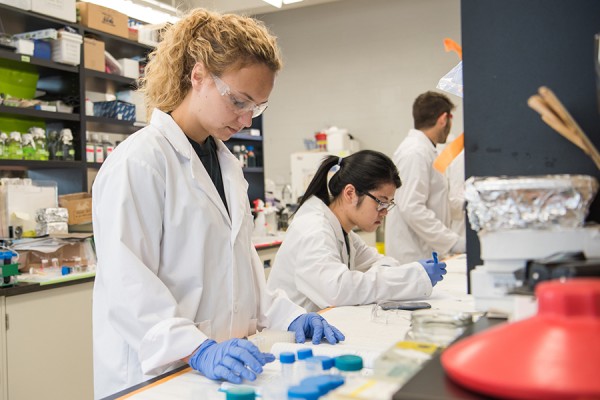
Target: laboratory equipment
[[437, 327], [240, 393], [519, 221], [303, 166], [552, 355], [403, 305], [8, 269]]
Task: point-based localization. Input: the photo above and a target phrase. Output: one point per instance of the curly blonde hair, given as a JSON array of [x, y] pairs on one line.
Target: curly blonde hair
[[219, 41]]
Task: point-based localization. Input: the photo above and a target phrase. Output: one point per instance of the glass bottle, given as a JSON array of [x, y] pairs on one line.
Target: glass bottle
[[107, 145], [90, 149], [52, 145], [3, 145], [98, 149], [15, 149], [251, 157], [28, 146], [39, 139], [65, 149]]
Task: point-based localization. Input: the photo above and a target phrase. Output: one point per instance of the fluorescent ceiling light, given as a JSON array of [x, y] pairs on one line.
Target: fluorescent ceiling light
[[274, 3], [150, 11], [278, 3]]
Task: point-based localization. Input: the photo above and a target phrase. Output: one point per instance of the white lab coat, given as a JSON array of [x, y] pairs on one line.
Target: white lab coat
[[173, 267], [312, 265], [420, 222]]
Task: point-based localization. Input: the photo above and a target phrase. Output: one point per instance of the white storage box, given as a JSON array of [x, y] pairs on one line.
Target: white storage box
[[129, 68], [67, 48], [24, 4], [62, 9]]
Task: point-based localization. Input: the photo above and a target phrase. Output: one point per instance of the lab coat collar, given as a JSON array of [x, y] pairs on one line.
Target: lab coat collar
[[316, 204], [422, 137], [178, 139]]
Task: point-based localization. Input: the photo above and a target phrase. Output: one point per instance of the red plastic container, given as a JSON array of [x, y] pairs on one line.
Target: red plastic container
[[553, 355]]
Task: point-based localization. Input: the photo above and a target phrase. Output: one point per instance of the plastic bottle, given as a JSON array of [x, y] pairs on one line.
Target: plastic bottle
[[287, 360], [39, 139], [302, 369], [243, 156], [107, 145], [90, 149], [28, 146], [15, 150], [3, 145], [260, 222], [240, 393], [323, 364], [89, 107], [349, 366], [251, 157], [98, 149]]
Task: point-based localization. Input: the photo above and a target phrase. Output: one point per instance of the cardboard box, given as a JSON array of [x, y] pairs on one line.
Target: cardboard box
[[23, 4], [62, 9], [104, 19], [79, 206], [129, 68], [93, 54], [67, 247]]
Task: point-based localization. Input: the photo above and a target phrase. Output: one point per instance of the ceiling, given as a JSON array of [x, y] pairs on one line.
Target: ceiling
[[250, 7]]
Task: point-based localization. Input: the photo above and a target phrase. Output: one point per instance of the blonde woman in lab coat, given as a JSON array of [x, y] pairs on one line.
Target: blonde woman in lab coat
[[178, 278], [323, 263]]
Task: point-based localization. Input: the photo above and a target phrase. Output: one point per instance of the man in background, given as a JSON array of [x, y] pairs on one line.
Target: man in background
[[420, 224]]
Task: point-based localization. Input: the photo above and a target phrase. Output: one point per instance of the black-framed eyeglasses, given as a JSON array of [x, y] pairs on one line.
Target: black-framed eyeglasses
[[380, 204]]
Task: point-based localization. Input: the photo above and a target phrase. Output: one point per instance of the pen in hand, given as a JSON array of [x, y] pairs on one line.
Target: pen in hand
[[435, 257]]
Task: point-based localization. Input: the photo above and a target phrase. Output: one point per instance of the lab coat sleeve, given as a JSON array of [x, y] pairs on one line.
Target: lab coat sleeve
[[277, 311], [412, 204], [322, 276], [127, 216]]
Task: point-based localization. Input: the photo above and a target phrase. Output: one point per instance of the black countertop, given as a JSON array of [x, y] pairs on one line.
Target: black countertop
[[27, 287]]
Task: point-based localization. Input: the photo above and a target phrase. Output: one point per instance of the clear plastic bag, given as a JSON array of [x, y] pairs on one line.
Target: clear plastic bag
[[452, 82]]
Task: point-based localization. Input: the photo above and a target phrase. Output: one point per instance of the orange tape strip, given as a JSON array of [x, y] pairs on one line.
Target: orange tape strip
[[453, 149]]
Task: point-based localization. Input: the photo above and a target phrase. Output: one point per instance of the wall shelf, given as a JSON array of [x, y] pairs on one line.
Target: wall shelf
[[30, 112]]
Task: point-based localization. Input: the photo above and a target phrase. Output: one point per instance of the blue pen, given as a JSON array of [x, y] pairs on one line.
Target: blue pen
[[435, 257]]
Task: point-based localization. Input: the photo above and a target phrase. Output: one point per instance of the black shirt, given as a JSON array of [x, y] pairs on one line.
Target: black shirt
[[207, 152]]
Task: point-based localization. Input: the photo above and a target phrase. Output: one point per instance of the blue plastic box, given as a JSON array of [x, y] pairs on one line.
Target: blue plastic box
[[42, 49], [116, 109]]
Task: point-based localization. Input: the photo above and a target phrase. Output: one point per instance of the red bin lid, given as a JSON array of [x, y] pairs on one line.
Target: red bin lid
[[553, 355]]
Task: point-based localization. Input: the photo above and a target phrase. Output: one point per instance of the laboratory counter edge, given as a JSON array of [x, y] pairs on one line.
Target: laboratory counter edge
[[430, 383], [30, 287]]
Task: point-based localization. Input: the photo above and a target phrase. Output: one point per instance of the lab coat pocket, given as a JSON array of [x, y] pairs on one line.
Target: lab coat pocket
[[206, 328]]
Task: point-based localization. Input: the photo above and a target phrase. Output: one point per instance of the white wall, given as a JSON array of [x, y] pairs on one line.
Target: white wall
[[356, 64]]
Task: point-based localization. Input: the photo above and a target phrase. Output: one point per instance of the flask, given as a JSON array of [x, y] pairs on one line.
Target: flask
[[15, 150], [39, 140], [28, 146], [251, 157]]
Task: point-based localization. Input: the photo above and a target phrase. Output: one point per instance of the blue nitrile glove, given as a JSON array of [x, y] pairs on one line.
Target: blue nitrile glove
[[435, 271], [232, 360], [312, 325]]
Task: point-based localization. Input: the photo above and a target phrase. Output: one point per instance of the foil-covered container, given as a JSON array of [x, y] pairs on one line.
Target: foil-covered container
[[529, 202]]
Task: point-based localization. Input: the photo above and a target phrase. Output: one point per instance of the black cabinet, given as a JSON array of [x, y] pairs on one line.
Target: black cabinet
[[62, 81]]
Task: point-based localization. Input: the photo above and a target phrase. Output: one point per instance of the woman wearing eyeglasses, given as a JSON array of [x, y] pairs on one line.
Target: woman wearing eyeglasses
[[178, 279], [323, 263]]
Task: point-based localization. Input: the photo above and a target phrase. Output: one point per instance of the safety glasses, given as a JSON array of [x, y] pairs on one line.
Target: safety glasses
[[238, 105], [380, 204]]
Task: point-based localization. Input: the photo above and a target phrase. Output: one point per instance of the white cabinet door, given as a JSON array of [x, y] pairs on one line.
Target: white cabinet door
[[49, 344]]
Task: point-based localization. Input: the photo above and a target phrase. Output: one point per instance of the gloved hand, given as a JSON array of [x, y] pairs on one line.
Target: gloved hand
[[435, 271], [312, 325], [232, 360]]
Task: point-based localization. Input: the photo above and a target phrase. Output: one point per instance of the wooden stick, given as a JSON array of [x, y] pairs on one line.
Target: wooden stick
[[539, 105], [556, 105]]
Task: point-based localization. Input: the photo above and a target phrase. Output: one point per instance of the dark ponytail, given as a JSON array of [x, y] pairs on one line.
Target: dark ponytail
[[366, 170]]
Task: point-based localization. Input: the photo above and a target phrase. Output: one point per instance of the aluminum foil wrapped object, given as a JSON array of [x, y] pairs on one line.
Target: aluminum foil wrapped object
[[529, 202]]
